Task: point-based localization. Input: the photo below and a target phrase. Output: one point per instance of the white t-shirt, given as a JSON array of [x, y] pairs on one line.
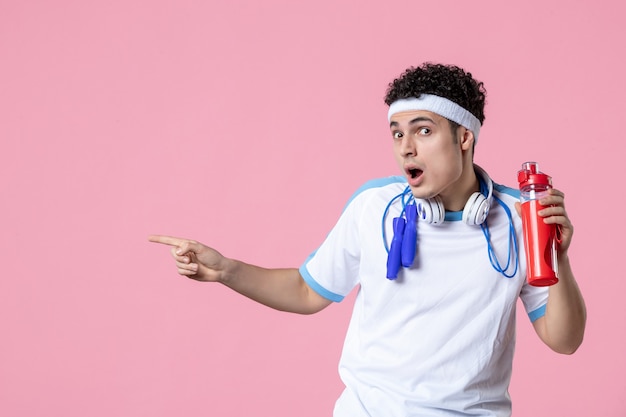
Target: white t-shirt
[[438, 340]]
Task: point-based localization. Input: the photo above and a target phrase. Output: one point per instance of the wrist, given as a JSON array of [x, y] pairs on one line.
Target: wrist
[[228, 270]]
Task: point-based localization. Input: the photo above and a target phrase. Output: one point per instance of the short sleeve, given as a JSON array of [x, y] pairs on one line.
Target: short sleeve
[[333, 269]]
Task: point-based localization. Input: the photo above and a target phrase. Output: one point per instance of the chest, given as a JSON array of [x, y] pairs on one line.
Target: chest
[[453, 268]]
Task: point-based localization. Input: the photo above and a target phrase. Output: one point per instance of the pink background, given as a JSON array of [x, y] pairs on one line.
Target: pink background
[[247, 125]]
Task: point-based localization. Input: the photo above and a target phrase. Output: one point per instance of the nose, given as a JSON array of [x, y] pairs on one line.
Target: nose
[[407, 146]]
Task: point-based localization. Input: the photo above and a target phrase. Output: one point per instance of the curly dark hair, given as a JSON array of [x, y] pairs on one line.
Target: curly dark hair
[[447, 81]]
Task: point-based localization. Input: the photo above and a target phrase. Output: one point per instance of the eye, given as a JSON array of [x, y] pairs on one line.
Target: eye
[[397, 135], [424, 131]]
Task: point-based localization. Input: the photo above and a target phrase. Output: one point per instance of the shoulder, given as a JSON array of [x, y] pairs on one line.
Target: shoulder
[[506, 194], [382, 183], [381, 187]]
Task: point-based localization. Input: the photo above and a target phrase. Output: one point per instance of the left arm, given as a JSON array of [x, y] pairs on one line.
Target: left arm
[[563, 326]]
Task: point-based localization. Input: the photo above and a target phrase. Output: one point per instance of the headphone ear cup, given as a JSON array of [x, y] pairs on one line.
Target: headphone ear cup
[[476, 209], [432, 210]]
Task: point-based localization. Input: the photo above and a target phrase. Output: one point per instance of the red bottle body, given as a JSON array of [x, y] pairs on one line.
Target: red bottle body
[[539, 238]]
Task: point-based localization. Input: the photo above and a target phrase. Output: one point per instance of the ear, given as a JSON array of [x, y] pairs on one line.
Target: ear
[[467, 140]]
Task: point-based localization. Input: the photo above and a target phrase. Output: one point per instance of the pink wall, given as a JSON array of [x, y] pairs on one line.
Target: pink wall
[[247, 125]]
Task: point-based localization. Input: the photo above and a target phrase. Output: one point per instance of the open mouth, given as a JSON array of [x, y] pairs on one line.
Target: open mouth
[[414, 172]]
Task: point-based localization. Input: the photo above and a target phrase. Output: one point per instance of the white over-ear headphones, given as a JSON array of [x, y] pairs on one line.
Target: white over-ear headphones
[[475, 211]]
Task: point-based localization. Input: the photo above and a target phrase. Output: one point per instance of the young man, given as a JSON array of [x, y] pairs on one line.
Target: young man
[[433, 326]]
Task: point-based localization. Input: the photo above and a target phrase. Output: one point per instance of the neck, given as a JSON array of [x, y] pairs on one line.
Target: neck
[[456, 197]]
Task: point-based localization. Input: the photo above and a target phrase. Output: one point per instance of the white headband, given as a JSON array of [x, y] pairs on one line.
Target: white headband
[[438, 105]]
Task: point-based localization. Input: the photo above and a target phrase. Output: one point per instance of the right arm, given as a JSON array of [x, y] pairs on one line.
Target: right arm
[[281, 289]]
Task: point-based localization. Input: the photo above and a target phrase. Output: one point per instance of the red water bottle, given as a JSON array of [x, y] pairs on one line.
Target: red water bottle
[[539, 238]]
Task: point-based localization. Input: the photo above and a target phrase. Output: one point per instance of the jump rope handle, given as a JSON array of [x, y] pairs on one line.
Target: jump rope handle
[[409, 242], [394, 257]]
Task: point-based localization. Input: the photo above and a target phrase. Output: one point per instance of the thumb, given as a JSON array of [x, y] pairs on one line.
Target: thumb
[[188, 246]]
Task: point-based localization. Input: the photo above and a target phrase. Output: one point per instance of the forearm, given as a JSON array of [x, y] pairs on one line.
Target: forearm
[[564, 324], [281, 289]]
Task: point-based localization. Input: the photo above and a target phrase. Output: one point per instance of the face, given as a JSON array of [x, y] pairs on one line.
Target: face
[[431, 157]]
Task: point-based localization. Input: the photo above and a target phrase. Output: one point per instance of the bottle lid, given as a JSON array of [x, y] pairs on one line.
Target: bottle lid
[[530, 175]]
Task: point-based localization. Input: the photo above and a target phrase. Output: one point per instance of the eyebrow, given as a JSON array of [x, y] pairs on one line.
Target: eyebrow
[[413, 121]]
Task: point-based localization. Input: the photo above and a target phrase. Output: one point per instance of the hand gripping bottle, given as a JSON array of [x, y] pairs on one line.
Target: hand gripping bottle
[[539, 238]]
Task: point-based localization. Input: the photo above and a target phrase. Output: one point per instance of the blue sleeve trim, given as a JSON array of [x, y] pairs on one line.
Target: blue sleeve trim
[[375, 183], [317, 287], [538, 313]]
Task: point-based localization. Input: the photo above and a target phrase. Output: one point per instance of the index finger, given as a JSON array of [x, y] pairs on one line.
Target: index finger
[[554, 191], [167, 240]]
